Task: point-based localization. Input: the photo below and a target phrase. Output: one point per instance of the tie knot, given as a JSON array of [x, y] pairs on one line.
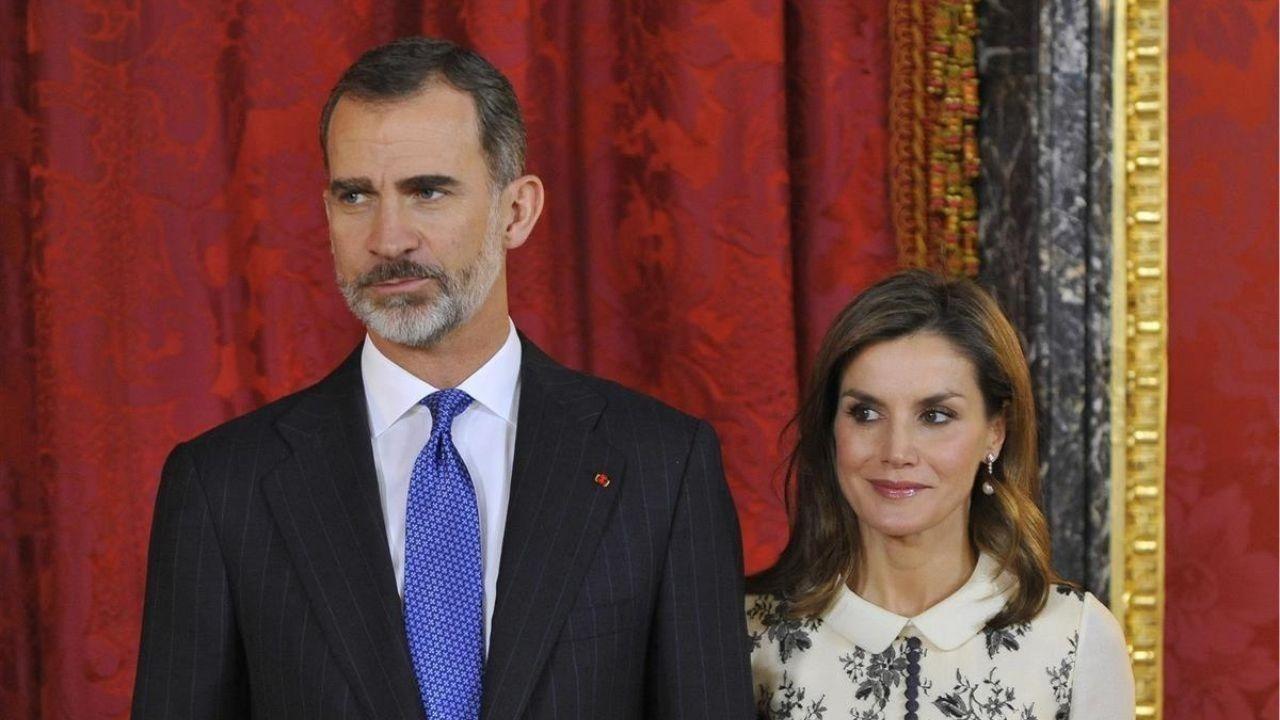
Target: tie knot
[[445, 405]]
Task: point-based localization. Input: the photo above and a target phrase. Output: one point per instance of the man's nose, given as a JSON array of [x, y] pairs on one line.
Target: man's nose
[[391, 236]]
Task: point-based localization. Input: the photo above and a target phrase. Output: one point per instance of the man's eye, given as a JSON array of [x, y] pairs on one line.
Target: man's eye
[[429, 194], [351, 197]]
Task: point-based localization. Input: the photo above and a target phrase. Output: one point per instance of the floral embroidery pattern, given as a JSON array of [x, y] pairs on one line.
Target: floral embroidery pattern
[[790, 633], [987, 699], [1005, 638], [876, 676], [1060, 678], [778, 704], [812, 668], [1075, 592]]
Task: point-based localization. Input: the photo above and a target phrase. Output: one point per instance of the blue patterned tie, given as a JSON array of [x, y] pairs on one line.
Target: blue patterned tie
[[443, 575]]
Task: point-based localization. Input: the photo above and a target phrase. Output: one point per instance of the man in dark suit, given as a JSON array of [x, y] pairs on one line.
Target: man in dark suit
[[450, 525]]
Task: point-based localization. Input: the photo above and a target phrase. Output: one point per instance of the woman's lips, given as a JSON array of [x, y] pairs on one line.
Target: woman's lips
[[897, 490]]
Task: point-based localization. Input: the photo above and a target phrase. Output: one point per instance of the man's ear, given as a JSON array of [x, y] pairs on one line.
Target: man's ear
[[522, 201]]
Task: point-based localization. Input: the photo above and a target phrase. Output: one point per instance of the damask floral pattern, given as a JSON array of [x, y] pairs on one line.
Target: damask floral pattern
[[1221, 565]]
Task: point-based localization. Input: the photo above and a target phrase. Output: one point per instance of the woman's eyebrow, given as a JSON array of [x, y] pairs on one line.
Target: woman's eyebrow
[[940, 397], [867, 397]]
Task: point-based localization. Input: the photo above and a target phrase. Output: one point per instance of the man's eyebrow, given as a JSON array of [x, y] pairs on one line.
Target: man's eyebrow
[[342, 186], [418, 183]]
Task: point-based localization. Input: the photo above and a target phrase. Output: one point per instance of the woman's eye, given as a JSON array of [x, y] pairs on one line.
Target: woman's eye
[[937, 417], [864, 413]]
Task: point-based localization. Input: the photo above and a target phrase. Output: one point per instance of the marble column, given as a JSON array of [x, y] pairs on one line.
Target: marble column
[[1045, 237]]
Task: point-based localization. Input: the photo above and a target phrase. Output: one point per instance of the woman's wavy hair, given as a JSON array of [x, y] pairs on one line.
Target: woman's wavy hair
[[823, 549]]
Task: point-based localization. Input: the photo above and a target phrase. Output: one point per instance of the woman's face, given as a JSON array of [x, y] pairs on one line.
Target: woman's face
[[910, 431]]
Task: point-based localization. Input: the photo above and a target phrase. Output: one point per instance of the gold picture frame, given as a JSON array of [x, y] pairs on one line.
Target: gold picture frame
[[1139, 371]]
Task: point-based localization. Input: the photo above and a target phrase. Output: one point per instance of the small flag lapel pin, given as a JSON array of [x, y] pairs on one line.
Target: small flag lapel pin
[[602, 480]]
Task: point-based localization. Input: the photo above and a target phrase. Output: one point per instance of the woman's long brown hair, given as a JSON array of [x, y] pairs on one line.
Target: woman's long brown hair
[[823, 549]]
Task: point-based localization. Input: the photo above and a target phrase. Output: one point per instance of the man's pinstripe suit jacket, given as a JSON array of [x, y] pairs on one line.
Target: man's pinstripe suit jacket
[[270, 592]]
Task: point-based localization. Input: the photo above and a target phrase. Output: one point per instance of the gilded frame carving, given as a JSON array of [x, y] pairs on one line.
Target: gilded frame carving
[[1139, 370], [933, 147]]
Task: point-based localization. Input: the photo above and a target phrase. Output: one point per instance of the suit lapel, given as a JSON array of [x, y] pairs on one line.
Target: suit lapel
[[555, 517], [326, 503]]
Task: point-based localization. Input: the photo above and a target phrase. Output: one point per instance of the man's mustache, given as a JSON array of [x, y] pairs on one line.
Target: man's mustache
[[400, 269]]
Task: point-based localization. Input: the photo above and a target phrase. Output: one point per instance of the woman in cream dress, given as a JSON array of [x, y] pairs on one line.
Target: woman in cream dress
[[916, 581]]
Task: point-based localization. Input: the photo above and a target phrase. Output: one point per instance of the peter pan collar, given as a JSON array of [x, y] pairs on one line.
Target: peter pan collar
[[947, 625]]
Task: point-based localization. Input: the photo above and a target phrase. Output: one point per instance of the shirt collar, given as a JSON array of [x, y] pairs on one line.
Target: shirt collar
[[391, 391], [947, 625]]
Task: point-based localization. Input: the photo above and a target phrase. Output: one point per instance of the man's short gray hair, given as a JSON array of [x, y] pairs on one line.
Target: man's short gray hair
[[402, 68]]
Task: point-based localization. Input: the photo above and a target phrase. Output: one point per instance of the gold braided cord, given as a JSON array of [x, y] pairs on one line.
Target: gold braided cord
[[933, 115]]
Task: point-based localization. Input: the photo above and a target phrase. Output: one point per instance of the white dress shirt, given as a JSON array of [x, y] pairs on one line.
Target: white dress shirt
[[484, 433], [1070, 661]]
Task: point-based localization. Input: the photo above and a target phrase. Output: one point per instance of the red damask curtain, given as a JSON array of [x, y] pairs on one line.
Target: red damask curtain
[[1221, 522], [716, 180]]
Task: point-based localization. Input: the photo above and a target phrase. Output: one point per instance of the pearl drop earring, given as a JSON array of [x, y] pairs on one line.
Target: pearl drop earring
[[987, 487]]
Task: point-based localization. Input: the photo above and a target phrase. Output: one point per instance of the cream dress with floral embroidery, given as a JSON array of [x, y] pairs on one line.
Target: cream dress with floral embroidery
[[861, 662]]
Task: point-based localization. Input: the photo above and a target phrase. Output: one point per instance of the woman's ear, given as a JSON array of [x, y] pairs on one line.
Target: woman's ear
[[996, 433]]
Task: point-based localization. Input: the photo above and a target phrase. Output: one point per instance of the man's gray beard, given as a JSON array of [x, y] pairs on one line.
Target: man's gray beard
[[421, 322]]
